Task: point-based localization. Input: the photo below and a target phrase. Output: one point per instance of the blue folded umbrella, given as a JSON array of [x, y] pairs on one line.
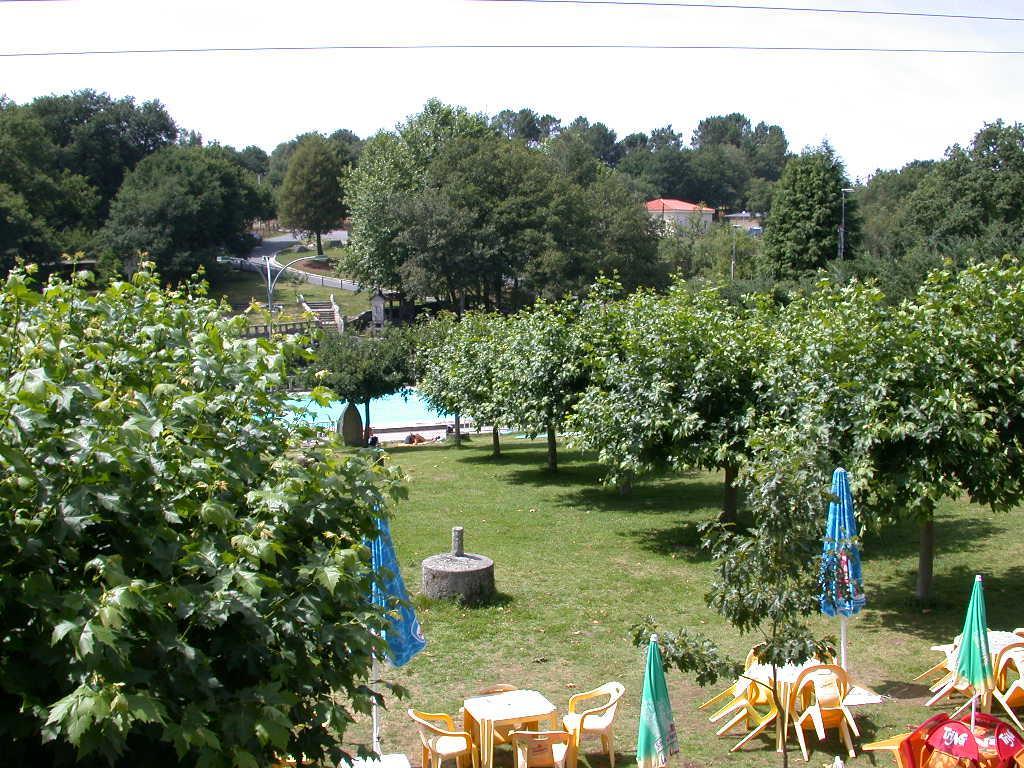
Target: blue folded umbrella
[[842, 585], [404, 637]]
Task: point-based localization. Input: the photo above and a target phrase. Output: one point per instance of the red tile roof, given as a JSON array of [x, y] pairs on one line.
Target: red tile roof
[[663, 204]]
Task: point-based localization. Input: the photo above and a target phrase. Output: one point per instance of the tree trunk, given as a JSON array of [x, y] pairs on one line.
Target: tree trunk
[[495, 443], [730, 496], [926, 559], [366, 423], [458, 431], [319, 245], [552, 451]]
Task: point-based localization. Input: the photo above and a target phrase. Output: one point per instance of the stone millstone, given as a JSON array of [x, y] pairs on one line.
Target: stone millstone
[[459, 575]]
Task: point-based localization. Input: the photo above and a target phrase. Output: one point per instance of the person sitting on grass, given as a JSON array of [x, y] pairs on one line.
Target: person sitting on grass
[[414, 438]]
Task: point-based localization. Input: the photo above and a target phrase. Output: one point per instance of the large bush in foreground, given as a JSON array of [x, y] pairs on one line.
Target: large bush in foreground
[[180, 585]]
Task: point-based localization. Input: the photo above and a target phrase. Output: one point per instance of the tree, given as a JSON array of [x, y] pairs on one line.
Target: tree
[[361, 368], [767, 578], [672, 384], [311, 198], [541, 372], [953, 422], [182, 585], [393, 164], [44, 207], [459, 363], [182, 206], [801, 233], [103, 139], [968, 206], [255, 160]]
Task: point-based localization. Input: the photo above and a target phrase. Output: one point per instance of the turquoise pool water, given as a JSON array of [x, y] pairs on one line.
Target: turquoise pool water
[[402, 409]]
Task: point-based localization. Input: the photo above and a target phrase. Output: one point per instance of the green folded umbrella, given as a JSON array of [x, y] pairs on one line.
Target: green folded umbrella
[[656, 739], [974, 660]]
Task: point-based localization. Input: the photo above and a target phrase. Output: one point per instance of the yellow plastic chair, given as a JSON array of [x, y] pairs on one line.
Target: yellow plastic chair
[[542, 748], [1009, 694], [824, 687], [596, 721], [441, 741], [755, 695]]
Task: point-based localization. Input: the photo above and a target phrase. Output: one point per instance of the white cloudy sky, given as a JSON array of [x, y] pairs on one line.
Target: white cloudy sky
[[879, 110]]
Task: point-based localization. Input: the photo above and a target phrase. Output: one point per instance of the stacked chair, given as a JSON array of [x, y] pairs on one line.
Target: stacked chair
[[818, 696]]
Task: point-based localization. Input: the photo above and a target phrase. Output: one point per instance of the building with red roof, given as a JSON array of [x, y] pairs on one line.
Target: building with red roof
[[681, 214]]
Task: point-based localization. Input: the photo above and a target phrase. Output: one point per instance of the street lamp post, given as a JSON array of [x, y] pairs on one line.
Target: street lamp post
[[842, 225], [272, 281]]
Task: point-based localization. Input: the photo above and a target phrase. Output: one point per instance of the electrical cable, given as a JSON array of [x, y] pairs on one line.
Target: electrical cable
[[512, 46], [785, 8]]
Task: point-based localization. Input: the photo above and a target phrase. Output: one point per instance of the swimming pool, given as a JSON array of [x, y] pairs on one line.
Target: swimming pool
[[402, 409]]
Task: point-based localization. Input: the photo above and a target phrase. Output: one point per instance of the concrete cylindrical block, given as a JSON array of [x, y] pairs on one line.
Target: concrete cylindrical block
[[468, 578]]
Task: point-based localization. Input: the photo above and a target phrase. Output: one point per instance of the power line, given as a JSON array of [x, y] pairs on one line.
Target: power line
[[787, 8], [511, 46]]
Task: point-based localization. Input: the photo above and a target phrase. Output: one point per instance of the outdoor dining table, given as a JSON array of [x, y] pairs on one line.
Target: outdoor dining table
[[484, 713]]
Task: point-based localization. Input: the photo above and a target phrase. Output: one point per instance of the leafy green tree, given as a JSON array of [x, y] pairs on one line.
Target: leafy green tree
[[311, 198], [393, 164], [361, 368], [968, 206], [801, 233], [103, 139], [459, 366], [953, 422], [541, 372], [44, 207], [182, 206], [255, 159], [672, 384], [766, 581], [182, 586]]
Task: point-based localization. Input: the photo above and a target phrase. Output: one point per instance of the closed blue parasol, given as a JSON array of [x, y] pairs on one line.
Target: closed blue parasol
[[842, 586], [403, 637]]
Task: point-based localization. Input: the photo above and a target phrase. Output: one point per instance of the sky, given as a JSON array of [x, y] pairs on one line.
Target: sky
[[878, 110]]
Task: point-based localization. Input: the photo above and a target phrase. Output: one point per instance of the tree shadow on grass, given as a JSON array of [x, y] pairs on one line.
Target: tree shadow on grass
[[893, 603], [960, 533]]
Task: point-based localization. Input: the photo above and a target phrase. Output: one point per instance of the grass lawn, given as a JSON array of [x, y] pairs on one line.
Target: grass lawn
[[239, 287], [577, 564]]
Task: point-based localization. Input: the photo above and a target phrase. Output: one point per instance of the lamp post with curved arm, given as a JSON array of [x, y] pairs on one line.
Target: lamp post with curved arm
[[272, 281]]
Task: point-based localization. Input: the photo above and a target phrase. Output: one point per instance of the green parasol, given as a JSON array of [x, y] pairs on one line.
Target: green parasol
[[656, 739], [974, 660]]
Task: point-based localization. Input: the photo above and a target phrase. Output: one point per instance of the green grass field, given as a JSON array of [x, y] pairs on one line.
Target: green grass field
[[576, 564]]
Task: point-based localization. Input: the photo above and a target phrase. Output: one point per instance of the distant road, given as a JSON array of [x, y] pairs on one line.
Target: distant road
[[272, 246]]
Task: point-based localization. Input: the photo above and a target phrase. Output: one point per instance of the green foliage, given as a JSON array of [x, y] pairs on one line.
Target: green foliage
[[182, 206], [311, 197], [969, 205], [42, 204], [392, 165], [672, 383], [801, 233], [459, 363], [181, 586], [361, 368], [102, 139], [447, 207]]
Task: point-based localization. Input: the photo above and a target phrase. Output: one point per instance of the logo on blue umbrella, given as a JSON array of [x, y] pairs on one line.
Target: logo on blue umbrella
[[842, 585], [403, 637]]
